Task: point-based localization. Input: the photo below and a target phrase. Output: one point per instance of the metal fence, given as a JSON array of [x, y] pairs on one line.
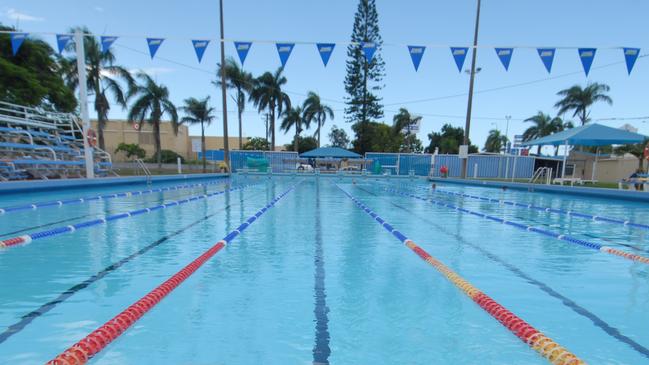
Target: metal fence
[[277, 161]]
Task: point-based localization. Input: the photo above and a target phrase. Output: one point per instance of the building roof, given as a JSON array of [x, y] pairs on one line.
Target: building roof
[[592, 134], [330, 152]]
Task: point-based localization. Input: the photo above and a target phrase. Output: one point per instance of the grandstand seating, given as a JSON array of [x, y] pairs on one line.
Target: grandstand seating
[[36, 144]]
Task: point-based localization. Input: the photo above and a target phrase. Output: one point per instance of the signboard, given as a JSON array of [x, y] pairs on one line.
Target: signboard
[[196, 145], [518, 139], [464, 151], [412, 128]]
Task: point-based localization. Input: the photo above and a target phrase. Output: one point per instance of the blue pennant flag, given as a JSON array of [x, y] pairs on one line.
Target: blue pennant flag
[[547, 56], [17, 40], [242, 50], [106, 42], [587, 55], [284, 51], [325, 50], [505, 55], [369, 48], [630, 55], [459, 54], [416, 53], [154, 44], [200, 46], [62, 41]]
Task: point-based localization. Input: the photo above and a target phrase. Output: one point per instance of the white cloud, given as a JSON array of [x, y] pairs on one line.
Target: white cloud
[[99, 9], [14, 14]]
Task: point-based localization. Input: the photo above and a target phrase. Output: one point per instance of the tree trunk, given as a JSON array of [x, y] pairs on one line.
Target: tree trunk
[[156, 136], [272, 127], [239, 107], [318, 132], [102, 116], [203, 147], [296, 144]]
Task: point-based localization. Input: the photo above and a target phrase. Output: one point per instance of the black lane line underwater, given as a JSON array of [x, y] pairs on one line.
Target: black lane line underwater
[[29, 317], [607, 328], [321, 349]]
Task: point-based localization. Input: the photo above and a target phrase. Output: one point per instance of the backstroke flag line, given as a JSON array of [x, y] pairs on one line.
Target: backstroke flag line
[[416, 54], [200, 46], [459, 54], [154, 44], [630, 55], [106, 42], [505, 56], [62, 41], [547, 56], [587, 55], [369, 48], [17, 40], [242, 50], [284, 51], [325, 50]]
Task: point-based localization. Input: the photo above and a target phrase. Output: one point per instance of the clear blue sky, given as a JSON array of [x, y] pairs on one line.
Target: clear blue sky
[[578, 23]]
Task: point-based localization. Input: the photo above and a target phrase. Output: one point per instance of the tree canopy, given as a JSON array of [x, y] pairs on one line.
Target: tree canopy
[[448, 140]]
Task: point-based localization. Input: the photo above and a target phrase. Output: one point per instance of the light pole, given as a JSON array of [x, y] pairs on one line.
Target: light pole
[[226, 144], [467, 126], [508, 118]]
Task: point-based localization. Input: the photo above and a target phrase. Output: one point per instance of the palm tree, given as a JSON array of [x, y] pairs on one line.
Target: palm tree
[[199, 112], [242, 83], [152, 100], [545, 125], [404, 120], [579, 100], [315, 111], [495, 141], [267, 94], [103, 79], [294, 117]]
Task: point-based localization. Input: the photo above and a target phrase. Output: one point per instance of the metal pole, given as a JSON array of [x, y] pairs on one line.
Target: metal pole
[[592, 177], [508, 142], [467, 126], [565, 159], [83, 103], [226, 141]]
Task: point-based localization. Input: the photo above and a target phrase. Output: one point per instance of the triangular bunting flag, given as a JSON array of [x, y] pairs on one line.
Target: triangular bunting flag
[[17, 40], [154, 44], [325, 50], [587, 55], [106, 42], [505, 56], [284, 51], [459, 54], [630, 55], [62, 41], [200, 46], [242, 50], [369, 48], [416, 54], [547, 56]]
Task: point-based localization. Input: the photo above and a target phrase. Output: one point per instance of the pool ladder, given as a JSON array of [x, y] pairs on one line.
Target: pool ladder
[[542, 175], [139, 163]]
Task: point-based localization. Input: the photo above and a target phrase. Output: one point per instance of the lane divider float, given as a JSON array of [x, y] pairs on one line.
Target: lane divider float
[[534, 338], [561, 237], [99, 339], [58, 203], [24, 239], [568, 212]]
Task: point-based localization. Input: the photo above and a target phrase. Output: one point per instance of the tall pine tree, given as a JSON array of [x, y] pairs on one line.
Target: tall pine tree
[[364, 78]]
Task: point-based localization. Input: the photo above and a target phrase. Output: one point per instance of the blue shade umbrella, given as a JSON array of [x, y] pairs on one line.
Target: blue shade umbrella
[[330, 152]]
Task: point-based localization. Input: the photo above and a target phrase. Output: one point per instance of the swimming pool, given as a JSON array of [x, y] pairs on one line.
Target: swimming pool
[[321, 275]]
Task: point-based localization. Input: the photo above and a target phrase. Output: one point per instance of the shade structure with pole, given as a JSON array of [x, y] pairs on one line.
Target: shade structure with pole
[[592, 134]]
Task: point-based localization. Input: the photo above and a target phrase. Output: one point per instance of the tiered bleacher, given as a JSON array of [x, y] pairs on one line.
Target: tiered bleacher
[[37, 144]]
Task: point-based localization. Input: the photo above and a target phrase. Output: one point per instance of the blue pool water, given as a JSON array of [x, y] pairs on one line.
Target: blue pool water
[[315, 280]]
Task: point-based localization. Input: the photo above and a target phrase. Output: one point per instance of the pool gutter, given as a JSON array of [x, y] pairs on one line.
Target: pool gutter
[[557, 189]]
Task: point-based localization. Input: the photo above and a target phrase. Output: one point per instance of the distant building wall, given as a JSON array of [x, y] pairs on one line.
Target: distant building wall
[[609, 168]]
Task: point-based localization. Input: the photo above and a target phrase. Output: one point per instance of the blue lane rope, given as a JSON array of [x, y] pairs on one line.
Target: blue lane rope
[[71, 228], [562, 237], [124, 194], [570, 213]]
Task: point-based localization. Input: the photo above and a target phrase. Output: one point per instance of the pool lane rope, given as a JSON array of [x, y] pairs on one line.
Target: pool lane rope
[[124, 194], [28, 238], [559, 236], [97, 340], [539, 342], [596, 218]]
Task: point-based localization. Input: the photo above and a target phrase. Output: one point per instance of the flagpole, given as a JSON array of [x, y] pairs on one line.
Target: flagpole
[[226, 144], [83, 103], [471, 81]]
